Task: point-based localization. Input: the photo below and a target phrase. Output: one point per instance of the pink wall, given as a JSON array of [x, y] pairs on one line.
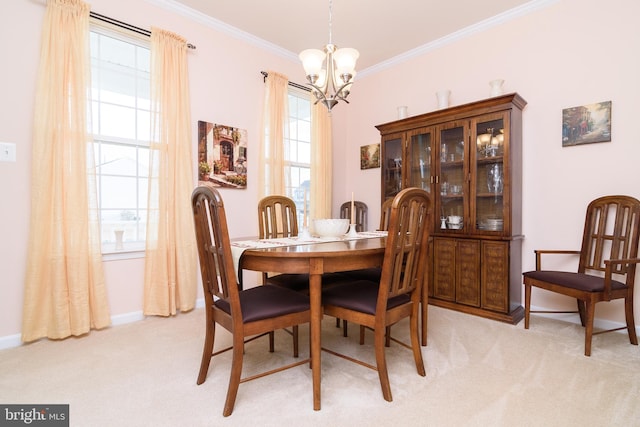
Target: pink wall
[[568, 53], [226, 87]]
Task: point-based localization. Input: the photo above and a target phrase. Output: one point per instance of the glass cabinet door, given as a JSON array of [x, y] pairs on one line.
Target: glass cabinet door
[[490, 184], [452, 182], [420, 157], [391, 163]]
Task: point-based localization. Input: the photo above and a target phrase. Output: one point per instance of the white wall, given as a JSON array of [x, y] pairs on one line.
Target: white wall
[[569, 53], [566, 54]]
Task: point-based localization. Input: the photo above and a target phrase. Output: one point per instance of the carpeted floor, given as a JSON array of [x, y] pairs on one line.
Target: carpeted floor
[[479, 373]]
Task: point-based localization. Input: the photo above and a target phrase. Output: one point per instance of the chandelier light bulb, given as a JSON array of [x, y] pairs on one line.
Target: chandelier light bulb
[[345, 60], [312, 60]]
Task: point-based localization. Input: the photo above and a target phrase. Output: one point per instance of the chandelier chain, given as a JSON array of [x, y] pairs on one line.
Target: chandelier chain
[[330, 21]]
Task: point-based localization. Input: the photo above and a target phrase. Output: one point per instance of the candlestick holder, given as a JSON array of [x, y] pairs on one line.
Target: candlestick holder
[[352, 231], [304, 235]]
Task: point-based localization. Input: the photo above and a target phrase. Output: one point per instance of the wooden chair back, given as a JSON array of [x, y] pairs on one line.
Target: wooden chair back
[[385, 214], [362, 213], [214, 249], [277, 217], [405, 256], [611, 231]]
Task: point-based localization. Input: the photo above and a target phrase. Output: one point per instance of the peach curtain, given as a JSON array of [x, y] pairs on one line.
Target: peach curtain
[[321, 161], [170, 279], [275, 119], [64, 286]]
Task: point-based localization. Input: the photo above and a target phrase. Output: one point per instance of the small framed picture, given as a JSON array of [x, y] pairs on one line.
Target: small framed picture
[[370, 156], [586, 124]]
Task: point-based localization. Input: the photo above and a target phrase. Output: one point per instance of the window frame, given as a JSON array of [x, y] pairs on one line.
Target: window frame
[[300, 122], [138, 143]]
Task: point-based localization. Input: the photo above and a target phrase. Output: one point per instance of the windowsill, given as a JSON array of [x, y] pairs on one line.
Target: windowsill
[[120, 255]]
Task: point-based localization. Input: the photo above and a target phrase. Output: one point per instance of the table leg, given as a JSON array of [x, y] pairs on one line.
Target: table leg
[[315, 289]]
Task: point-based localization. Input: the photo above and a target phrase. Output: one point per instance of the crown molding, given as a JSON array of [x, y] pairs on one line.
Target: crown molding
[[218, 25], [222, 27], [494, 21]]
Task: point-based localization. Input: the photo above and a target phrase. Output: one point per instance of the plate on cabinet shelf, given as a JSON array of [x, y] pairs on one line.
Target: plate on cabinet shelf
[[491, 224]]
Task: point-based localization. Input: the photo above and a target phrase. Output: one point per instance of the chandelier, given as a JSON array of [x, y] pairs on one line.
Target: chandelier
[[333, 82]]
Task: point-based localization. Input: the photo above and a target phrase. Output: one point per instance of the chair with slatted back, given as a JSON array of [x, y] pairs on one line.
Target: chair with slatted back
[[398, 293], [277, 218], [606, 266], [361, 216], [385, 214], [244, 313], [373, 274]]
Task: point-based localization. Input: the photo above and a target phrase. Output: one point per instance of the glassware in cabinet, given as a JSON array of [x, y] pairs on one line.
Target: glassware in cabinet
[[491, 185]]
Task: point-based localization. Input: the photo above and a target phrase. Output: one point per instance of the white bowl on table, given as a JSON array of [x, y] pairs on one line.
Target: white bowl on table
[[332, 227]]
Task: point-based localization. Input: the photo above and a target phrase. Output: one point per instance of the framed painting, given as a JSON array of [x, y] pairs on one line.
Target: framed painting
[[586, 124], [222, 155], [370, 156]]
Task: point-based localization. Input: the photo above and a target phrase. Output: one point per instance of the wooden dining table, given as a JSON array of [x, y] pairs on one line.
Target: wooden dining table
[[316, 259]]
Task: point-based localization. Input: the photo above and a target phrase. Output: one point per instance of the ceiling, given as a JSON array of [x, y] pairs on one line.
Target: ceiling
[[379, 29]]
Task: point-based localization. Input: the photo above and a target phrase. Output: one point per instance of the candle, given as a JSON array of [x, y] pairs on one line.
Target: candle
[[353, 210], [304, 209]]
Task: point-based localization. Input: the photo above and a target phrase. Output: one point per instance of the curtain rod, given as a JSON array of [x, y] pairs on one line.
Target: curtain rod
[[127, 26], [296, 85]]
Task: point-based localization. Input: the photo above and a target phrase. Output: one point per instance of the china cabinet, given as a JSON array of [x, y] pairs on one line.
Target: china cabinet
[[469, 158]]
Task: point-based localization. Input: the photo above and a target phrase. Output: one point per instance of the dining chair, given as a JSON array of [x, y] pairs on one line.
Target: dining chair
[[397, 295], [244, 313], [606, 265], [362, 213], [373, 274], [361, 216], [277, 218]]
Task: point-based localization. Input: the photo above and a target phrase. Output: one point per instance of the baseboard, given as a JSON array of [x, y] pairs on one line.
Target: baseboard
[[11, 341]]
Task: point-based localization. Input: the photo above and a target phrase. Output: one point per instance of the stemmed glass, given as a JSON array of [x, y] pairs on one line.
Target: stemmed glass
[[495, 182]]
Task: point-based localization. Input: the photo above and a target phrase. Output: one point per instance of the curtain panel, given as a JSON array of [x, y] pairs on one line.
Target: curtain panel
[[64, 287], [171, 267], [321, 161], [275, 128]]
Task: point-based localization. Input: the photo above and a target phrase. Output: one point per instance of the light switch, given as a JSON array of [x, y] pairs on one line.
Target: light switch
[[7, 152]]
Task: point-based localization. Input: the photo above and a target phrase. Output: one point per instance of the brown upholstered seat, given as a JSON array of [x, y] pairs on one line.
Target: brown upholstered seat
[[398, 293], [606, 266], [255, 311]]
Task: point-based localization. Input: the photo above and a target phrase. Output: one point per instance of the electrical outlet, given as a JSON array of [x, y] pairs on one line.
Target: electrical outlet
[[7, 152]]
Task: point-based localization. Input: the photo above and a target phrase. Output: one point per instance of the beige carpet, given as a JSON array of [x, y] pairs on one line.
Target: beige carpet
[[479, 373]]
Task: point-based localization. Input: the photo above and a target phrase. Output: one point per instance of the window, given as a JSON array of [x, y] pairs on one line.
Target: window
[[297, 150], [120, 107]]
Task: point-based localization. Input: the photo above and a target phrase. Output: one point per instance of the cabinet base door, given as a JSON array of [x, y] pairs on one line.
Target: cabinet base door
[[444, 269], [495, 276], [467, 268]]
